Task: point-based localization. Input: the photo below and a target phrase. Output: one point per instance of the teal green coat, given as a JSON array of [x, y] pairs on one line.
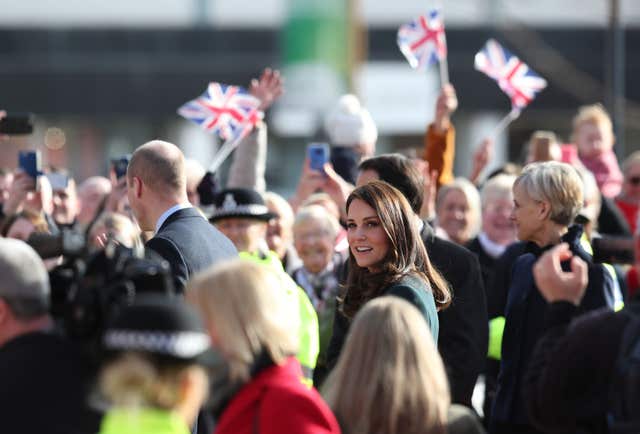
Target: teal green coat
[[419, 294]]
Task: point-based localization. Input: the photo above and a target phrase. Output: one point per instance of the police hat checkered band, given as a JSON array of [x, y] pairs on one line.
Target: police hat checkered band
[[184, 345], [241, 210]]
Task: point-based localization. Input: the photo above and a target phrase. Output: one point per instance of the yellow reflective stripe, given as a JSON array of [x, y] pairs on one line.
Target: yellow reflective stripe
[[618, 301], [496, 330], [585, 244]]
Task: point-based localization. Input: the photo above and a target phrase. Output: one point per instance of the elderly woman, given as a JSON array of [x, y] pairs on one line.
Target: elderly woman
[[458, 211], [498, 230], [547, 198], [314, 233], [247, 315]]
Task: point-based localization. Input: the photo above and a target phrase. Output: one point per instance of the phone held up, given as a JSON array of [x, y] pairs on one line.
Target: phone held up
[[30, 162], [17, 124], [318, 154]]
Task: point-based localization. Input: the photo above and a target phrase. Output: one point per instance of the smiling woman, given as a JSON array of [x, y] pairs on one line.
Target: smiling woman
[[387, 255]]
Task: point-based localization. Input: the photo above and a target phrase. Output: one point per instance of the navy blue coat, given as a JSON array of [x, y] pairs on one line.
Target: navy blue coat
[[525, 312], [190, 244]]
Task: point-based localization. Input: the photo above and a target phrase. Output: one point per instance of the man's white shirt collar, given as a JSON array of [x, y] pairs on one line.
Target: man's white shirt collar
[[165, 215]]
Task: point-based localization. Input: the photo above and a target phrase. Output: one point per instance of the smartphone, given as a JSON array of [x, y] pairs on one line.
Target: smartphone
[[30, 162], [318, 154], [120, 165], [17, 124]]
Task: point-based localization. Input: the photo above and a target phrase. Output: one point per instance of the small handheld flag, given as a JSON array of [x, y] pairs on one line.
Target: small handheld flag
[[423, 42], [223, 109], [514, 77]]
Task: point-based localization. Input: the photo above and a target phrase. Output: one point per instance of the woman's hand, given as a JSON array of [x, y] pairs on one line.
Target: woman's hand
[[336, 187], [20, 188], [446, 104], [310, 182], [481, 158]]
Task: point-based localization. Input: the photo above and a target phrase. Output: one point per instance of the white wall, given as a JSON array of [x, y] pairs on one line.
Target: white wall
[[272, 13]]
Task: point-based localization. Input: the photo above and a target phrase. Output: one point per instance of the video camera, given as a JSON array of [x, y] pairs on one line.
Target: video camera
[[90, 287]]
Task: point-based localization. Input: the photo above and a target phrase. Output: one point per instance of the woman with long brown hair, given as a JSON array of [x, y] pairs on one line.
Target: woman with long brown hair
[[386, 257]]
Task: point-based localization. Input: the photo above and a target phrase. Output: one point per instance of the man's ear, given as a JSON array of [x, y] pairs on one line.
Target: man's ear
[[137, 186]]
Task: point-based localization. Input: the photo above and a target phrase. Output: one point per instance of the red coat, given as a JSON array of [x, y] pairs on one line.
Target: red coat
[[276, 402]]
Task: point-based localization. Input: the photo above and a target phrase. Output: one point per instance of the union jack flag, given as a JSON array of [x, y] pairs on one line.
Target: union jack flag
[[223, 109], [422, 41], [514, 77]]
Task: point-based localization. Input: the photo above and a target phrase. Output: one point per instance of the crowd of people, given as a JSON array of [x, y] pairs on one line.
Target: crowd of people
[[378, 298]]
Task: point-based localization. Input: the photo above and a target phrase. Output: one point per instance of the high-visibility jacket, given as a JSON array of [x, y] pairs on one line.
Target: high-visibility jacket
[[308, 334], [143, 421]]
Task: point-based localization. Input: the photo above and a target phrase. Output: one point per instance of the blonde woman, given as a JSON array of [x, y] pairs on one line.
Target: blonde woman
[[390, 379], [247, 315], [155, 377]]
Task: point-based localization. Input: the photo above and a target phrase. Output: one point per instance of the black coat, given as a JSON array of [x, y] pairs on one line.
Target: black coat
[[524, 314], [569, 378], [190, 244], [45, 384], [464, 332]]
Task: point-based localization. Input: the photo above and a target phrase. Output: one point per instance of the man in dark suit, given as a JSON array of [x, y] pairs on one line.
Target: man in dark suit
[[156, 187], [464, 325]]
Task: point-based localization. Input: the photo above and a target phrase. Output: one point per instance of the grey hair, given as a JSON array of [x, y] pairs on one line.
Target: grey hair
[[558, 184], [25, 282], [318, 213], [497, 187]]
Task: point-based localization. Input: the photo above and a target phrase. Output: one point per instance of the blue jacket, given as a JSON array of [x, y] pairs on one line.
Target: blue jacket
[[525, 312]]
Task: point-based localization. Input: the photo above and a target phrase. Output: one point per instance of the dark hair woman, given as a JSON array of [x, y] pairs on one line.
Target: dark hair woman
[[386, 257]]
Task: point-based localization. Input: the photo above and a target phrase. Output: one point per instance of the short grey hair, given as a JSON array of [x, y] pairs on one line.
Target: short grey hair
[[497, 187], [557, 183], [319, 214], [25, 281]]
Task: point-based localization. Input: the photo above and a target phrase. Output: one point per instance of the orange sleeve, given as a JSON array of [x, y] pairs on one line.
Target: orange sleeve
[[439, 152]]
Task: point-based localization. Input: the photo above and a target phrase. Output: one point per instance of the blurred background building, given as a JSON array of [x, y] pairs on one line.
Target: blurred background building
[[104, 77]]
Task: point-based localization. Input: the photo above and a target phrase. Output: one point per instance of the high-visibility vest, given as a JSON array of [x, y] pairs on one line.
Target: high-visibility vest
[[308, 334]]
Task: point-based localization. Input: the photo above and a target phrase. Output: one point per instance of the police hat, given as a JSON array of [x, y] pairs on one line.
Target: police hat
[[240, 203]]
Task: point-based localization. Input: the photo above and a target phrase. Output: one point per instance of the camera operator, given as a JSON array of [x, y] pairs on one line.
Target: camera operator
[[43, 377]]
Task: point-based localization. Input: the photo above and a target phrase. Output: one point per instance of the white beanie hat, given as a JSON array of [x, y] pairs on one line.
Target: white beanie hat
[[350, 124]]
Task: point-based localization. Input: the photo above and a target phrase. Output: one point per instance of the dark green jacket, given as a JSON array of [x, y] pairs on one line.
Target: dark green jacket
[[418, 293]]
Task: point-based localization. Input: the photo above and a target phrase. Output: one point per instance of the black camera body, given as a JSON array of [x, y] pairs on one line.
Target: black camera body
[[89, 288]]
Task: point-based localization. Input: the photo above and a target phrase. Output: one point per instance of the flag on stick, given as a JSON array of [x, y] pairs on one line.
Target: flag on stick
[[514, 77], [223, 109], [423, 42]]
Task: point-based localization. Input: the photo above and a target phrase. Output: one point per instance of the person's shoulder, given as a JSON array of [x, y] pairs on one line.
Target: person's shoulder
[[437, 246], [412, 289], [292, 406], [463, 421]]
